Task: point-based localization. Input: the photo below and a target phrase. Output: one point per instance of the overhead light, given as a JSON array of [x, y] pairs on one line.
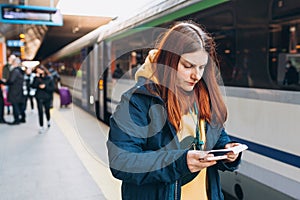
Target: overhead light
[[22, 35], [30, 64], [111, 8]]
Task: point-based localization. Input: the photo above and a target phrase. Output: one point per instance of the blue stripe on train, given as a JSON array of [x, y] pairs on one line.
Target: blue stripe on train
[[276, 154]]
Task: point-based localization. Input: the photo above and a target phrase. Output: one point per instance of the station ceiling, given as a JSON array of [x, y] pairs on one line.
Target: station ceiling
[[41, 40]]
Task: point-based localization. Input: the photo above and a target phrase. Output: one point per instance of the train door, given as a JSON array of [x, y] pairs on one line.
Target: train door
[[100, 106], [106, 77], [92, 78], [83, 75]]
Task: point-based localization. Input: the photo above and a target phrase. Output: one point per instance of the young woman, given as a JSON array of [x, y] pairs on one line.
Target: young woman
[[163, 127], [44, 91]]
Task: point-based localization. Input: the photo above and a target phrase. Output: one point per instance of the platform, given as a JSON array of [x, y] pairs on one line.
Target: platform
[[67, 162]]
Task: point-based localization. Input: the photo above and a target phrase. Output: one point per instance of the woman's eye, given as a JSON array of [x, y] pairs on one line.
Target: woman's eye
[[187, 66]]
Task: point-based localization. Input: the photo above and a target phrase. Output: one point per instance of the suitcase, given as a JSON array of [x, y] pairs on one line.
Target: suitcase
[[65, 96]]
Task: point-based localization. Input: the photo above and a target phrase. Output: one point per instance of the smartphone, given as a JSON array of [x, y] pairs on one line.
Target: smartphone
[[220, 152], [222, 157]]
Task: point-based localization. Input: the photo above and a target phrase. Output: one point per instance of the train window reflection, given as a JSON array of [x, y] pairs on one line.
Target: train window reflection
[[285, 47]]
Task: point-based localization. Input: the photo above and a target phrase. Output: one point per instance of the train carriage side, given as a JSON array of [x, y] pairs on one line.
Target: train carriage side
[[253, 39], [77, 64]]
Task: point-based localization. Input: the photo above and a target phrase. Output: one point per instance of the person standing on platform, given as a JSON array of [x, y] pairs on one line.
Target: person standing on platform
[[291, 75], [29, 92], [118, 73], [15, 91], [5, 75], [56, 79], [7, 67], [163, 126], [44, 91], [2, 120]]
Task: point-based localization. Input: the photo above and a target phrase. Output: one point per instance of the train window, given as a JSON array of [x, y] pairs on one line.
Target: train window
[[284, 31], [128, 53], [284, 46], [69, 65], [220, 23], [252, 51], [125, 55], [252, 46], [285, 9]]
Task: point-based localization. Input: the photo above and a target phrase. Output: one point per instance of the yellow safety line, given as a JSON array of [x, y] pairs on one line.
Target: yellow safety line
[[101, 174]]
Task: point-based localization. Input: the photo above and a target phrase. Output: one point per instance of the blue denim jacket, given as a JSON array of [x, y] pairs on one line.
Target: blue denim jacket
[[144, 151]]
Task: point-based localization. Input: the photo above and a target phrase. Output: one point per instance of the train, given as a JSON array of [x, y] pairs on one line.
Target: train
[[254, 40]]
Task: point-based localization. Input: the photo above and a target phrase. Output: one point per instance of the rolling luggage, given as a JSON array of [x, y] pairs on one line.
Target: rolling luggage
[[65, 96]]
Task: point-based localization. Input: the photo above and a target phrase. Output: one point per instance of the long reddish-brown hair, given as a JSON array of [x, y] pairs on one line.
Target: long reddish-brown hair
[[187, 37], [42, 67]]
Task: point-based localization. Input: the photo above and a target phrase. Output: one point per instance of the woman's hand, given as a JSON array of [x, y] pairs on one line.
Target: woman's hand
[[42, 86], [231, 156], [196, 160]]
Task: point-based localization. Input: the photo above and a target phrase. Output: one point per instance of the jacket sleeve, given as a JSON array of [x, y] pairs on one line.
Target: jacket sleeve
[[35, 83], [131, 158], [222, 165], [49, 85], [12, 77]]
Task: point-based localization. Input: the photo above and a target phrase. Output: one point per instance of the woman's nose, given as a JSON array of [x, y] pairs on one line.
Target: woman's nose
[[196, 73]]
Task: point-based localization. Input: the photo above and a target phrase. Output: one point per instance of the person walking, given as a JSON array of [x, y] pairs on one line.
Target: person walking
[[163, 127], [44, 85]]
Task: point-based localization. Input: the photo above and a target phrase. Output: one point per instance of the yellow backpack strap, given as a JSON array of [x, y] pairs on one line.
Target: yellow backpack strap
[[202, 131]]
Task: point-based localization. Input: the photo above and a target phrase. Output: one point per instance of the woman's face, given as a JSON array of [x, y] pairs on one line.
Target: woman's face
[[39, 71], [190, 69]]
